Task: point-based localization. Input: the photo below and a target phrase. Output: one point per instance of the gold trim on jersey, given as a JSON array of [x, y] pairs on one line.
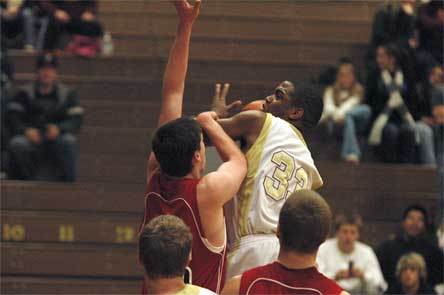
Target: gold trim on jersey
[[254, 157], [315, 185]]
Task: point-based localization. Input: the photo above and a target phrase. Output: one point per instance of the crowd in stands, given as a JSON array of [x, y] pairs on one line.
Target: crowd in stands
[[401, 108], [40, 120], [42, 25]]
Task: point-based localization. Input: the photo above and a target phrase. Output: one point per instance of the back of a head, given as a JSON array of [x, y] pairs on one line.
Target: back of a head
[[308, 97], [164, 247], [304, 222], [174, 145]]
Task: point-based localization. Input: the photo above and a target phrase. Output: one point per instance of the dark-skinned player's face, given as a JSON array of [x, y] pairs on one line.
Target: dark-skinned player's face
[[279, 103]]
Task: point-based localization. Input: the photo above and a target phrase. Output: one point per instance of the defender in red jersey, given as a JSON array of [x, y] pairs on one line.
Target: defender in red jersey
[[176, 184], [304, 224]]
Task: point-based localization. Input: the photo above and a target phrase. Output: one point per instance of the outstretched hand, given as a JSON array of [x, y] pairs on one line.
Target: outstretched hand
[[187, 13], [220, 104]]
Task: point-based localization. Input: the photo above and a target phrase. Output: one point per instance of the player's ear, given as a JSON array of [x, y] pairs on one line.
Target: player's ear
[[296, 114], [197, 157]]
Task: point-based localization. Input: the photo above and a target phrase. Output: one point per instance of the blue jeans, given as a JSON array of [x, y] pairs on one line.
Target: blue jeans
[[356, 121], [426, 146], [29, 22], [26, 156]]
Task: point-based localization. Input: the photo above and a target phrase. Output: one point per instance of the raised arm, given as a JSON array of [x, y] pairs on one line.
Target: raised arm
[[220, 186], [176, 69]]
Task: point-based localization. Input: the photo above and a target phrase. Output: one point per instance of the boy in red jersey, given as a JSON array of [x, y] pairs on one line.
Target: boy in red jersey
[[304, 224], [176, 184]]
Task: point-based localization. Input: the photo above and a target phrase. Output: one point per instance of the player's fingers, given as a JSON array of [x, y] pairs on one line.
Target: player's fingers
[[217, 91], [225, 90], [197, 5]]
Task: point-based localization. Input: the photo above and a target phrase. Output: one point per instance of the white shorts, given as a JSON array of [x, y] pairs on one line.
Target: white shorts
[[251, 251]]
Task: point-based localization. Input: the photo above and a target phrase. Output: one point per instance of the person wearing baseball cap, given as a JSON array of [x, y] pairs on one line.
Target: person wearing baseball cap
[[44, 116]]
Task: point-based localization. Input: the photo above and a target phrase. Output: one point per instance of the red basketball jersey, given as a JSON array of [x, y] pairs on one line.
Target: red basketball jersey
[[274, 278], [178, 197]]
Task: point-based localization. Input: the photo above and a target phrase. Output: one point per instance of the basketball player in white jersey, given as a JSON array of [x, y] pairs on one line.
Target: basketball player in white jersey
[[279, 163]]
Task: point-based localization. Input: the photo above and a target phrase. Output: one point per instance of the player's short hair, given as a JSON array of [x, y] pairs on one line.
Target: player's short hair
[[412, 260], [304, 222], [344, 218], [308, 97], [174, 145], [165, 247]]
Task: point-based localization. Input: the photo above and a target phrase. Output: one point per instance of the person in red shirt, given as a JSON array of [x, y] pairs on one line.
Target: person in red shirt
[[304, 224], [176, 184]]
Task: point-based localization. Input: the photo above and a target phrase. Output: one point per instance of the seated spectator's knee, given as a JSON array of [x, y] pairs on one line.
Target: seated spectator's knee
[[407, 129], [20, 144], [425, 131], [366, 112], [391, 131], [68, 140]]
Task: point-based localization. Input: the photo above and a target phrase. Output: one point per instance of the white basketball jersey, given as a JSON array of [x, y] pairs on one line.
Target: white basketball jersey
[[279, 163]]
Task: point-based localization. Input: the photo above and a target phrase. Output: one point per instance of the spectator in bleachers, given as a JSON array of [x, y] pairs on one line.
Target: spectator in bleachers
[[411, 275], [412, 239], [351, 263], [390, 94], [431, 28], [6, 80], [165, 251], [44, 115], [395, 23], [343, 107], [428, 92], [11, 20], [438, 127], [78, 18]]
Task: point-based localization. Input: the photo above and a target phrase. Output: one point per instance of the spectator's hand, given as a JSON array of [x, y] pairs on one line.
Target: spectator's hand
[[342, 274], [220, 104], [87, 16], [413, 43], [357, 273], [338, 117], [440, 15], [62, 16], [428, 120], [52, 131], [394, 102], [33, 135], [187, 13]]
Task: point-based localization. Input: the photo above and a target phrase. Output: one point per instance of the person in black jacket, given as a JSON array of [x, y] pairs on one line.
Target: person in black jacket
[[390, 92], [43, 117], [412, 239]]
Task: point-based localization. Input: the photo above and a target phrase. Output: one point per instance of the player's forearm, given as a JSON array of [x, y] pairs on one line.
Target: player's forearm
[[225, 146], [175, 74]]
